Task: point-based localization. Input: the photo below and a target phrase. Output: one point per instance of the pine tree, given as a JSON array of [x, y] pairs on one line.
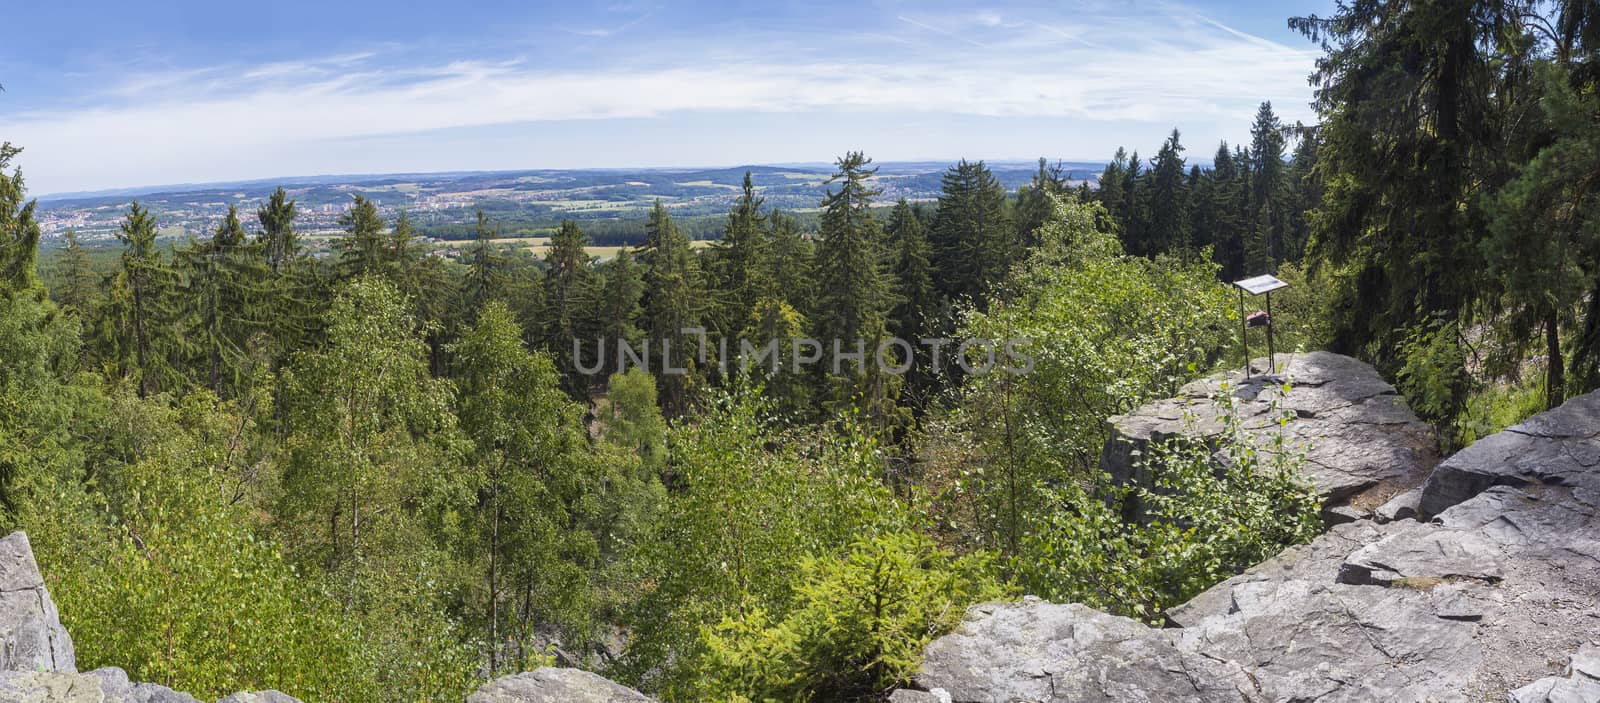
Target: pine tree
[[1134, 215]]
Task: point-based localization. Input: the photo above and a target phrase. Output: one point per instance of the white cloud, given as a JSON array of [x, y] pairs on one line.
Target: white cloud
[[161, 127]]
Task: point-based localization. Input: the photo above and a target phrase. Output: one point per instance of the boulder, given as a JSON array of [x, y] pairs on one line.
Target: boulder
[[906, 695], [1403, 506], [556, 685], [1362, 443], [1559, 447], [108, 685], [31, 635]]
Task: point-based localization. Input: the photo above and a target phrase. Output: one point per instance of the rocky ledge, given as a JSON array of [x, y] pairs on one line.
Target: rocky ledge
[[1494, 598], [1362, 444]]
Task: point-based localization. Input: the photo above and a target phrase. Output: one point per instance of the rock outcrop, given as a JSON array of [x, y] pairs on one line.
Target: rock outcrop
[[31, 635], [108, 685], [1362, 443], [556, 685], [1477, 604]]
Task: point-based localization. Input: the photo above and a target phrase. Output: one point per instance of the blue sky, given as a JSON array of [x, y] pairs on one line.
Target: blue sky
[[114, 93]]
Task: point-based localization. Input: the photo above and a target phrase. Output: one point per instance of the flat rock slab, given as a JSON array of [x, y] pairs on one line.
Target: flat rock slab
[[1483, 603], [556, 685], [1362, 443]]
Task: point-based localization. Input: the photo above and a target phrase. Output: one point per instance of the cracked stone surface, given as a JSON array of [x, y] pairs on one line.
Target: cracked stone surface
[[31, 635], [1362, 443], [1496, 598]]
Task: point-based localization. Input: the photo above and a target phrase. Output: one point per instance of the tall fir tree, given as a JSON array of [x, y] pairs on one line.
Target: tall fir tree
[[674, 303], [1169, 202], [742, 261], [973, 239]]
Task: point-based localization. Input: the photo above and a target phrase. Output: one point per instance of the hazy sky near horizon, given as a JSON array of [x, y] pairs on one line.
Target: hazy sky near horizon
[[109, 94]]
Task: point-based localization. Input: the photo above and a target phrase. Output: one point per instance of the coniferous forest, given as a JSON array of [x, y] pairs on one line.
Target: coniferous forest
[[380, 475]]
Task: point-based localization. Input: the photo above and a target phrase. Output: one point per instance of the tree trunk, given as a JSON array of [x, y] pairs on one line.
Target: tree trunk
[[1554, 375]]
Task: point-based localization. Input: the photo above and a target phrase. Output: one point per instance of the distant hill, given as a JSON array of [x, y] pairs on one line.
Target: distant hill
[[521, 203]]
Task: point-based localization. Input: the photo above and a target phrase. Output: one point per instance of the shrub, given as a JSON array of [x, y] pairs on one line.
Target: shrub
[[858, 628]]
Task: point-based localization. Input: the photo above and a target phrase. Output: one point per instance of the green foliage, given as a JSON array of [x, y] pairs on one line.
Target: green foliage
[[748, 502], [175, 585], [1212, 510], [1433, 373], [1498, 406], [858, 626], [1106, 332]]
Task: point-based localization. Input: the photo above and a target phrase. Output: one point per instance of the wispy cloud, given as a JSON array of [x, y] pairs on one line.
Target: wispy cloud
[[1149, 71]]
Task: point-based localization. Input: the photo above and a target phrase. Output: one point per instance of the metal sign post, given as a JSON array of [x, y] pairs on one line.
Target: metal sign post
[[1258, 285]]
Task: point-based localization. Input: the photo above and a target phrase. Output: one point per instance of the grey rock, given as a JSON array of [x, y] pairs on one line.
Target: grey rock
[[1556, 447], [31, 635], [116, 688], [1579, 686], [1586, 663], [1361, 443], [108, 685], [555, 685], [906, 695], [267, 696], [1038, 651], [1423, 555], [1403, 506]]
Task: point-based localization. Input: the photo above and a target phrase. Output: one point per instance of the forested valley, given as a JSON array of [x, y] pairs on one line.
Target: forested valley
[[383, 476]]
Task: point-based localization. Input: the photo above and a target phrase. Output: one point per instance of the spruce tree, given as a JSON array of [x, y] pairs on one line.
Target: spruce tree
[[277, 229], [674, 302], [221, 278], [854, 292], [142, 313], [1169, 201], [1034, 202], [483, 266], [973, 239], [19, 231], [566, 293], [80, 286], [793, 263], [363, 248], [742, 261]]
